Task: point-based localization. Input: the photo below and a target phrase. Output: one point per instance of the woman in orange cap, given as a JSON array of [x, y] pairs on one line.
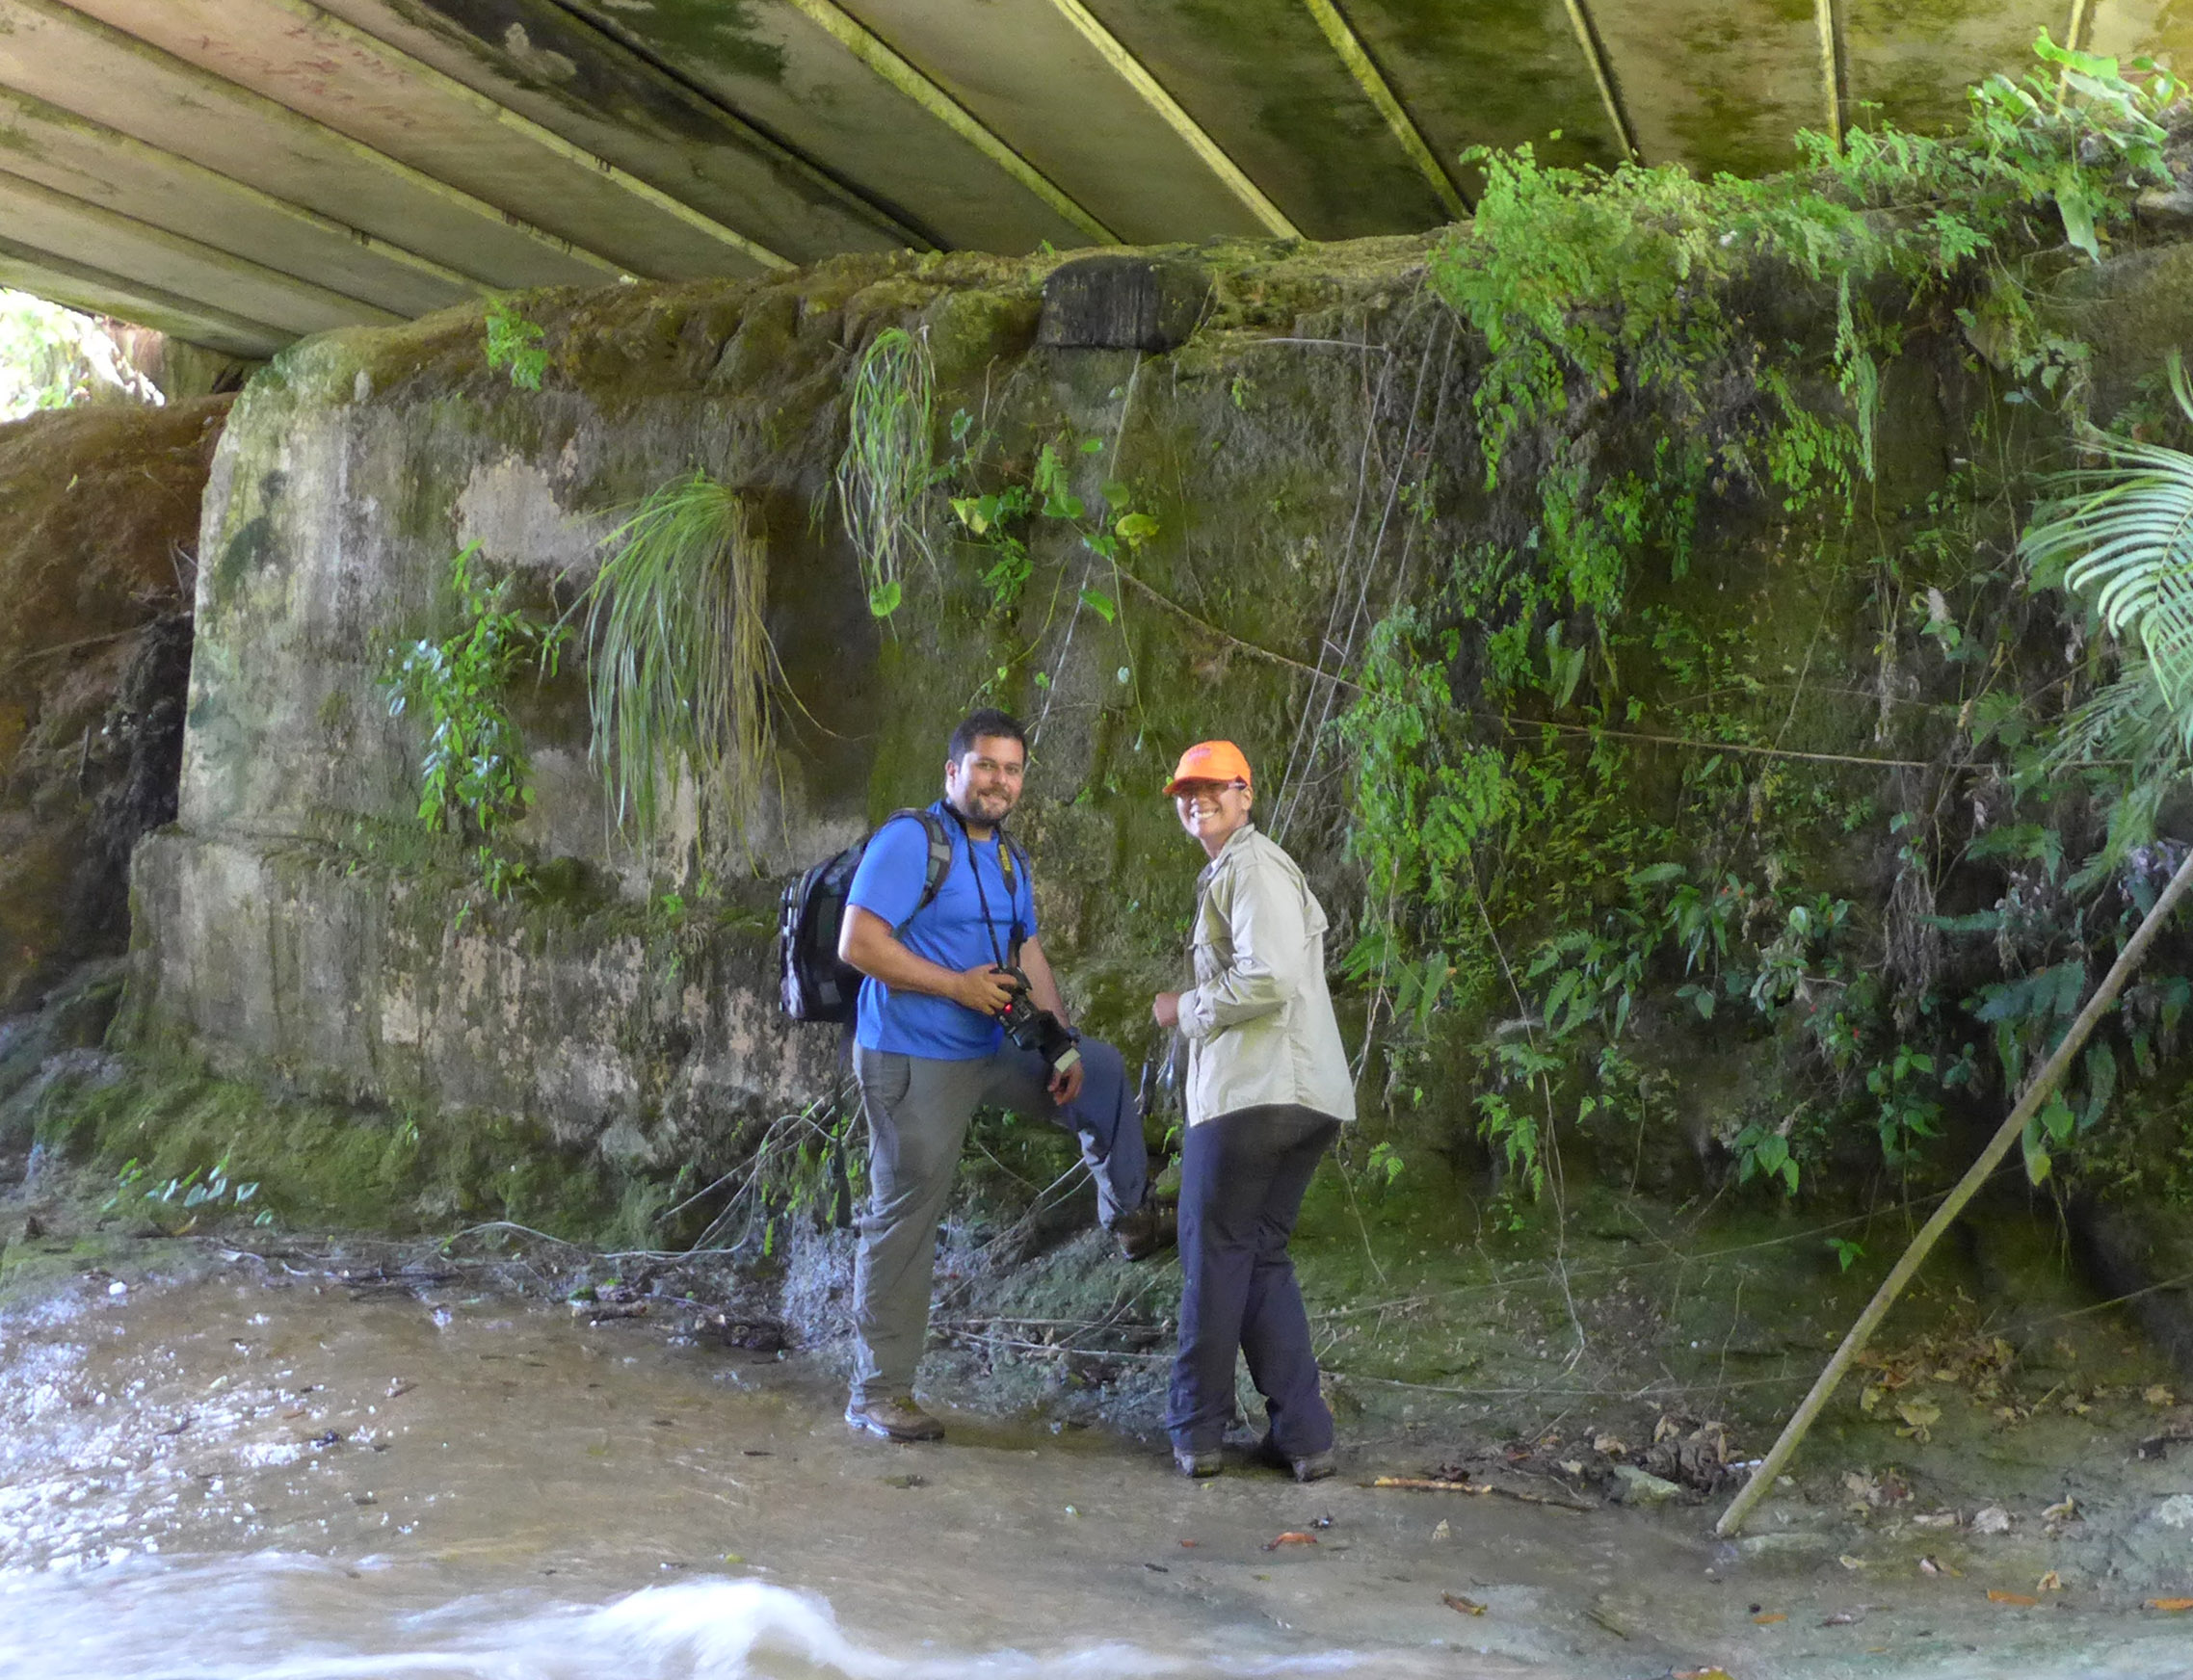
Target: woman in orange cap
[[1268, 1087]]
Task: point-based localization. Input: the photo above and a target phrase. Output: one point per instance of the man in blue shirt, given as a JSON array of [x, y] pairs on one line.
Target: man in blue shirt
[[929, 1052]]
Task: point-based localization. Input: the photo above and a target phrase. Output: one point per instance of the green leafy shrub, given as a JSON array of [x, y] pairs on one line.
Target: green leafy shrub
[[1512, 880], [475, 781], [516, 343]]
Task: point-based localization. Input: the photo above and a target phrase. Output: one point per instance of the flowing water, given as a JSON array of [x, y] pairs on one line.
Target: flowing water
[[242, 1474]]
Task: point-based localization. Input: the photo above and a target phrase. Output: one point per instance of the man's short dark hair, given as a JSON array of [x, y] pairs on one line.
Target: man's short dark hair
[[987, 723]]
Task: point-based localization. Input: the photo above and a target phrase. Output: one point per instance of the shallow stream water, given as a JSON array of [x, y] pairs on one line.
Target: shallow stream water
[[250, 1474]]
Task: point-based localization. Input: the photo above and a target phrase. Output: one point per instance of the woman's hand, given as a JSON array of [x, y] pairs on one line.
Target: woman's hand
[[1166, 1007]]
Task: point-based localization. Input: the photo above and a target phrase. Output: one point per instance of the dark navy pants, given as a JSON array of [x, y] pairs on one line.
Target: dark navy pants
[[1242, 1179]]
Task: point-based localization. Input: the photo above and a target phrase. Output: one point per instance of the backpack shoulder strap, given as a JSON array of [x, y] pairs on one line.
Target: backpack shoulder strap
[[940, 863]]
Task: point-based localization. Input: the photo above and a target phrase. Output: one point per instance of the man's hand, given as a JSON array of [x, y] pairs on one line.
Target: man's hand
[[1067, 1086], [1166, 1007], [986, 989]]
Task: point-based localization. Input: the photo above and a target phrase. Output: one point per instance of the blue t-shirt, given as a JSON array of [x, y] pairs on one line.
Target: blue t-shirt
[[949, 932]]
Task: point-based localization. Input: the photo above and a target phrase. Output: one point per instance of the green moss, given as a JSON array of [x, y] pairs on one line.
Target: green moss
[[360, 1167]]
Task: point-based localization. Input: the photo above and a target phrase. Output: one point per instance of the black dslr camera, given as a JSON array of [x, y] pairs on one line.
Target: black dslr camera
[[1035, 1028]]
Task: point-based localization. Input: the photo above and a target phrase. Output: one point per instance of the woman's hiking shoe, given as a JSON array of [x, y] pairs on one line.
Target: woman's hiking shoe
[[1202, 1464], [1309, 1467], [1313, 1467], [897, 1419], [1150, 1229]]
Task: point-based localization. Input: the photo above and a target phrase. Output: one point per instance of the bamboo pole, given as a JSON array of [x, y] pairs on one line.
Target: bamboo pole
[[2036, 1094]]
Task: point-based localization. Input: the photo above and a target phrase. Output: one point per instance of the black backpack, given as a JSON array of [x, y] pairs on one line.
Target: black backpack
[[815, 984]]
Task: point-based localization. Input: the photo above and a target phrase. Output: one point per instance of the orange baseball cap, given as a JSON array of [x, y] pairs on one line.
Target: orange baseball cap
[[1209, 761]]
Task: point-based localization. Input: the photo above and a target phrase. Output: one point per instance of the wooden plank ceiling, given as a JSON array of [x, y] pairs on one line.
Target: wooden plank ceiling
[[243, 172]]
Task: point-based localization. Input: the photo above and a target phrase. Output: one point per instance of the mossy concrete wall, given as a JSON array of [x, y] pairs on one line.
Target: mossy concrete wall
[[294, 921], [1306, 451]]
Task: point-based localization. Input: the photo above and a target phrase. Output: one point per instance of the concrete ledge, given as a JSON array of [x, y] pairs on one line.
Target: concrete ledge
[[649, 1045]]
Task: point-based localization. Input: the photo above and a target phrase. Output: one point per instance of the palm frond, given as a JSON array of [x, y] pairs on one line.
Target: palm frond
[[2121, 533], [887, 465], [683, 675]]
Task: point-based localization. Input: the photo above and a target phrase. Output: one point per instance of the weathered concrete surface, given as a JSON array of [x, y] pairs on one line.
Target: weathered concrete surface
[[98, 520], [296, 922]]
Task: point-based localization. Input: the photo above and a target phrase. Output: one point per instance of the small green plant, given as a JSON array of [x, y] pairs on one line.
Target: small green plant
[[1385, 1166], [995, 521], [1762, 1152], [202, 1188], [1847, 1254], [888, 465], [681, 674], [475, 781], [806, 1166], [516, 343]]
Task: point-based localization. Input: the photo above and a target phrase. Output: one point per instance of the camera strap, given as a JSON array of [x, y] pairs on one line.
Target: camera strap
[[1005, 957]]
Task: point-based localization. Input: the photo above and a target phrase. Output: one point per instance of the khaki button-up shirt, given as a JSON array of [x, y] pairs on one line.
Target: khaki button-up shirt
[[1259, 1022]]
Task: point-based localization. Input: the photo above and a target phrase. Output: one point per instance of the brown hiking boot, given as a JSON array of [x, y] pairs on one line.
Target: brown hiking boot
[[896, 1419], [1150, 1229]]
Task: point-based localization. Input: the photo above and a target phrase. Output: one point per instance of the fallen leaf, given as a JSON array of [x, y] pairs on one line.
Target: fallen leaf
[[1850, 1562], [1700, 1674], [1771, 1618], [2156, 1395], [1994, 1520], [1574, 1466], [1935, 1566], [1920, 1415], [1936, 1520], [1996, 1596], [2065, 1510], [2172, 1605], [1293, 1537], [1611, 1445], [2050, 1582], [1187, 1542], [402, 1385], [1844, 1618], [295, 1411], [1870, 1402], [1456, 1601], [1445, 1531]]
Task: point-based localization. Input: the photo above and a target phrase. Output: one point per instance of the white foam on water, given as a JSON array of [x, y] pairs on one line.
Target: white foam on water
[[284, 1617]]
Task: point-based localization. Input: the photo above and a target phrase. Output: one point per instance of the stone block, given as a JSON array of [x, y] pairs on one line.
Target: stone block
[[1123, 303]]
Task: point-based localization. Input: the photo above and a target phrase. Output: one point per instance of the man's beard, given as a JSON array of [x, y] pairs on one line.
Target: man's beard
[[986, 809]]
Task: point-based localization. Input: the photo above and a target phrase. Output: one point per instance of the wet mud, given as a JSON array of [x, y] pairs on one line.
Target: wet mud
[[218, 1464]]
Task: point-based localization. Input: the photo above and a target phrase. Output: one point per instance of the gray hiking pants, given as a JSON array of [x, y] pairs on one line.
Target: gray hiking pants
[[917, 1110]]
